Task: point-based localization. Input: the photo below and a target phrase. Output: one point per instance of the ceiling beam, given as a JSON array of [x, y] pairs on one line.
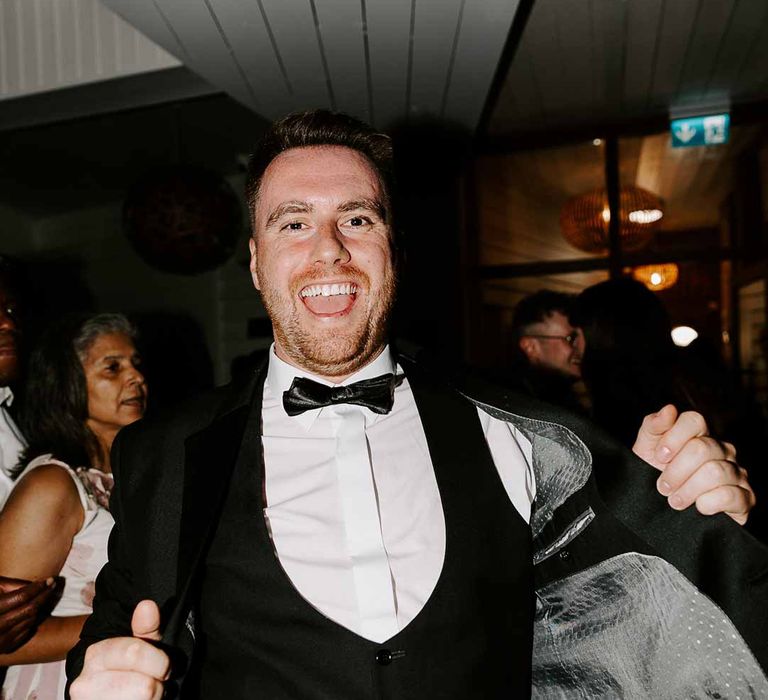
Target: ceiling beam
[[108, 96], [502, 68], [587, 264]]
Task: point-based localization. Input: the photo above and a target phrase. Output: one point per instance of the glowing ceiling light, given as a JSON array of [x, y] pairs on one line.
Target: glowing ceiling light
[[657, 277], [683, 336], [645, 216], [585, 219]]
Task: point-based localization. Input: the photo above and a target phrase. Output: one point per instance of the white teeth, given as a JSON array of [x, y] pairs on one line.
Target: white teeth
[[328, 290]]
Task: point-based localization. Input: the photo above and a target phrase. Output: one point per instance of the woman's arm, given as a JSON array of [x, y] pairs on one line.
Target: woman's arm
[[37, 526], [53, 639]]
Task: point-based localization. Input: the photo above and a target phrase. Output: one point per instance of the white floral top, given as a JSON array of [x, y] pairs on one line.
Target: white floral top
[[84, 561]]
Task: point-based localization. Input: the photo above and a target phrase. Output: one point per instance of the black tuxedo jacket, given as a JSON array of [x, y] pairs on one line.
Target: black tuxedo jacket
[[633, 599]]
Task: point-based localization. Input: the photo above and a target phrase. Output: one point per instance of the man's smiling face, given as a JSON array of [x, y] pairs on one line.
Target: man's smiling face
[[321, 255]]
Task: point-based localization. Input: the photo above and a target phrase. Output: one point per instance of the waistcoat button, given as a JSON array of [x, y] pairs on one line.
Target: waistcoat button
[[383, 657]]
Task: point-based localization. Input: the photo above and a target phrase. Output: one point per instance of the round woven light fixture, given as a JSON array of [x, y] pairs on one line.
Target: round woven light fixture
[[657, 277], [584, 219]]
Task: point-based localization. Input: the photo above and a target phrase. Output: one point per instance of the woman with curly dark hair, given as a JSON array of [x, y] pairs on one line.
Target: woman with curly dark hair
[[84, 385]]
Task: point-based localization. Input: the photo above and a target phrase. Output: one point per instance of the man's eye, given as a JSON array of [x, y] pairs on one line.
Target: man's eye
[[357, 221], [294, 226]]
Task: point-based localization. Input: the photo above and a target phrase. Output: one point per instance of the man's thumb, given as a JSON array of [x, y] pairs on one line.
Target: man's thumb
[[145, 622], [653, 428], [656, 424]]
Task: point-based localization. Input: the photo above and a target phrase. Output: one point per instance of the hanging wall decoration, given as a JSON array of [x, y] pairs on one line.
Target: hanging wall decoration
[[183, 219]]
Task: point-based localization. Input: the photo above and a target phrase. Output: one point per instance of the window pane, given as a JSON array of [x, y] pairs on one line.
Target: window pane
[[710, 198], [695, 184], [753, 341], [492, 345], [520, 199]]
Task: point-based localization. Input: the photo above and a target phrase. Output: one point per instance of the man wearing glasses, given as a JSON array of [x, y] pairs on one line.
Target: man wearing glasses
[[548, 349]]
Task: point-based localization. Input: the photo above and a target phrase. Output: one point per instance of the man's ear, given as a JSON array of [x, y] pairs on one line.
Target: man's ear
[[529, 347], [252, 264]]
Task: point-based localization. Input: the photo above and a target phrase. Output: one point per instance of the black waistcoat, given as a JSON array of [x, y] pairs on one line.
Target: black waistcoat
[[258, 638]]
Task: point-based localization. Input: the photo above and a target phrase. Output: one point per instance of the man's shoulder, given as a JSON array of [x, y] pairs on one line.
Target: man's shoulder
[[487, 393]]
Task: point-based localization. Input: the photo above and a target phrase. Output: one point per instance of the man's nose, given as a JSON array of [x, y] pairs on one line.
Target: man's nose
[[7, 319], [580, 343], [136, 377], [330, 248]]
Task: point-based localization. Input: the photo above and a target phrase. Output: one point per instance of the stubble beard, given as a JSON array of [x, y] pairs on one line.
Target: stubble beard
[[331, 352]]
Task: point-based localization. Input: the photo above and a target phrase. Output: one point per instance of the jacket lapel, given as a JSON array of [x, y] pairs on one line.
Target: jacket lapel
[[210, 457]]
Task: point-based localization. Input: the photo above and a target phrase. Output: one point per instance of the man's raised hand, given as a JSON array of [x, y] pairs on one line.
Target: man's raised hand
[[126, 668], [695, 468]]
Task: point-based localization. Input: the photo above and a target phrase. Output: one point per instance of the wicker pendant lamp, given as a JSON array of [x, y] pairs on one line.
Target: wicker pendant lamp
[[584, 219], [657, 277]]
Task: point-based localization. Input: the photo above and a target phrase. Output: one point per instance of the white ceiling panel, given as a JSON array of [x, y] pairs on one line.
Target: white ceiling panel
[[343, 39], [753, 76], [485, 26], [521, 101], [642, 25], [86, 45], [51, 44], [648, 58], [388, 28], [11, 49], [299, 42], [608, 41], [736, 44], [149, 19], [207, 49], [435, 28], [672, 43], [250, 36], [64, 25], [545, 62], [703, 49], [46, 37], [386, 61], [574, 37]]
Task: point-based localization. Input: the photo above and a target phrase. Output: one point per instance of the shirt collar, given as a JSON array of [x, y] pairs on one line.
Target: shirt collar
[[6, 396], [280, 376]]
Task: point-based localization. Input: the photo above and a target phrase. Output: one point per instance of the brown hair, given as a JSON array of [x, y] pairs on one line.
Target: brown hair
[[321, 127]]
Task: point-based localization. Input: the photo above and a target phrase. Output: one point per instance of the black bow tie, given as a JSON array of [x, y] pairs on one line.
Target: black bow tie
[[377, 394]]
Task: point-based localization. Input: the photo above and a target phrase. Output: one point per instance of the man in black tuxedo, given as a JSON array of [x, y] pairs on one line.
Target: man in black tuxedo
[[349, 524]]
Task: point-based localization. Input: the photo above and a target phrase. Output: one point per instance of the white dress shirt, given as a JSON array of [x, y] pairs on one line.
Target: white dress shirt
[[353, 506], [11, 444]]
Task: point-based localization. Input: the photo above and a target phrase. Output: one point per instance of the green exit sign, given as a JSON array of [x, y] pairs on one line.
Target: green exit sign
[[700, 131]]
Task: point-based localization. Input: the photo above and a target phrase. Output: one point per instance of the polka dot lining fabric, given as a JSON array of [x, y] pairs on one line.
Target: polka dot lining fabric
[[634, 627]]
